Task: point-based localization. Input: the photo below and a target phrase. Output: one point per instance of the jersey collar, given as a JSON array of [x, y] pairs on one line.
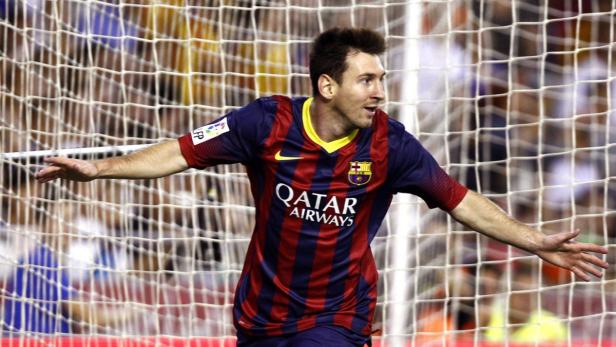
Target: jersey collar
[[330, 147]]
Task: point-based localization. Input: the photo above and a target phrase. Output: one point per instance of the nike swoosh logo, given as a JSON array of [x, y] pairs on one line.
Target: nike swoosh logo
[[280, 157]]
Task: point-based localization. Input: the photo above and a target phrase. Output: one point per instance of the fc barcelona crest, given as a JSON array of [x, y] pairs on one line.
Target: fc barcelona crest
[[360, 172]]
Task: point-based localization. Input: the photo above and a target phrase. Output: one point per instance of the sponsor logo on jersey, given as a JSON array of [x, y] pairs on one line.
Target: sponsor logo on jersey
[[210, 131], [360, 172], [316, 207]]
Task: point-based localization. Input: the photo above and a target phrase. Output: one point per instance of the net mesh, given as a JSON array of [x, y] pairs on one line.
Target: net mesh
[[513, 98]]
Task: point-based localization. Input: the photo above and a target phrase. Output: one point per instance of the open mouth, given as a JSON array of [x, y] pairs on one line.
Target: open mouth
[[370, 109]]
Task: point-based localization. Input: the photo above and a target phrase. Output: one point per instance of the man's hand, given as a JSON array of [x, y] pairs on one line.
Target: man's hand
[[561, 250], [70, 169]]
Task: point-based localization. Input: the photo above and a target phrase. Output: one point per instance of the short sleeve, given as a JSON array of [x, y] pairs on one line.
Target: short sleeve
[[234, 138], [413, 170]]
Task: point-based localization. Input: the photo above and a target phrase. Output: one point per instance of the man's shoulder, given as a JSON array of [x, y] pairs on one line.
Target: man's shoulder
[[265, 103], [393, 126], [260, 109], [270, 104], [275, 99]]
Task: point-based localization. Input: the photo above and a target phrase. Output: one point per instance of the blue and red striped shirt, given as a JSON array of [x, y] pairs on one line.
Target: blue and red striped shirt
[[318, 207]]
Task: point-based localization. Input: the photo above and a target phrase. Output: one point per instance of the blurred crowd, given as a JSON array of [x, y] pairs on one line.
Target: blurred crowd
[[526, 90], [514, 98]]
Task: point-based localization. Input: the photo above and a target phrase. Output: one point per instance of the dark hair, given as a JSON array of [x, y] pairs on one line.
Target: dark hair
[[330, 49]]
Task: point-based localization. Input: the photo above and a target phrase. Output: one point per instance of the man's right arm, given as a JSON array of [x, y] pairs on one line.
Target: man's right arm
[[159, 160]]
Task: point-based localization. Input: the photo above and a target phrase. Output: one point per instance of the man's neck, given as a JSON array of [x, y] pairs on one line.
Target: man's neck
[[328, 122]]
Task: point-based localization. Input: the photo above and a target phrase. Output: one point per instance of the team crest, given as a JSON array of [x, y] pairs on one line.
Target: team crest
[[360, 172]]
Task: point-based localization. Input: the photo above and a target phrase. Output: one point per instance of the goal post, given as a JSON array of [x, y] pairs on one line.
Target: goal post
[[513, 98]]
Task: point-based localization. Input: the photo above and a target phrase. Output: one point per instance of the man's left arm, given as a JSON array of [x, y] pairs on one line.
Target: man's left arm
[[481, 215]]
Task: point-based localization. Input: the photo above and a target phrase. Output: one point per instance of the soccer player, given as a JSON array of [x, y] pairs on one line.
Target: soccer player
[[323, 171]]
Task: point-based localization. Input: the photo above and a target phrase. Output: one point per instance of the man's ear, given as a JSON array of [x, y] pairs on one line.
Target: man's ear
[[327, 86]]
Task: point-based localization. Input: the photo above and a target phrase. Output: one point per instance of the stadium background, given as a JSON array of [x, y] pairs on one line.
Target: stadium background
[[514, 98]]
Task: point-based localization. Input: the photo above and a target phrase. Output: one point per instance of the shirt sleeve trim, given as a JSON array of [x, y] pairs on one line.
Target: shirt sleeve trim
[[187, 150]]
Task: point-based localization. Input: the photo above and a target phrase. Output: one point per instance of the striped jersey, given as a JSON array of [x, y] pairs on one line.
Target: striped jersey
[[318, 206]]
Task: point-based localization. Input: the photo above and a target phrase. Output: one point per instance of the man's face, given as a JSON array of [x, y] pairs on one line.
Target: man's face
[[361, 90]]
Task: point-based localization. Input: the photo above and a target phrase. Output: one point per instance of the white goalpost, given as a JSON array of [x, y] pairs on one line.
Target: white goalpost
[[513, 98]]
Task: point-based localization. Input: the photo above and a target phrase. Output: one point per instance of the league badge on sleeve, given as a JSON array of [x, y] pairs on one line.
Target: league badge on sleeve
[[360, 172], [209, 131]]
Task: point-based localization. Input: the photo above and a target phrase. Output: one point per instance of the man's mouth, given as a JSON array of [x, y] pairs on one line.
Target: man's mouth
[[371, 109]]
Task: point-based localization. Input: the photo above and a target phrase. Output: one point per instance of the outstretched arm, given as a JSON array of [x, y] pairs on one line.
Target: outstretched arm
[[480, 214], [159, 160]]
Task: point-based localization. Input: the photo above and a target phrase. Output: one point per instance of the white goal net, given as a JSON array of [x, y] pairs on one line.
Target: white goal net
[[514, 99]]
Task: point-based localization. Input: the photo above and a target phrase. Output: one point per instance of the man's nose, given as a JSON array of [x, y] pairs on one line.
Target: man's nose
[[379, 92]]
